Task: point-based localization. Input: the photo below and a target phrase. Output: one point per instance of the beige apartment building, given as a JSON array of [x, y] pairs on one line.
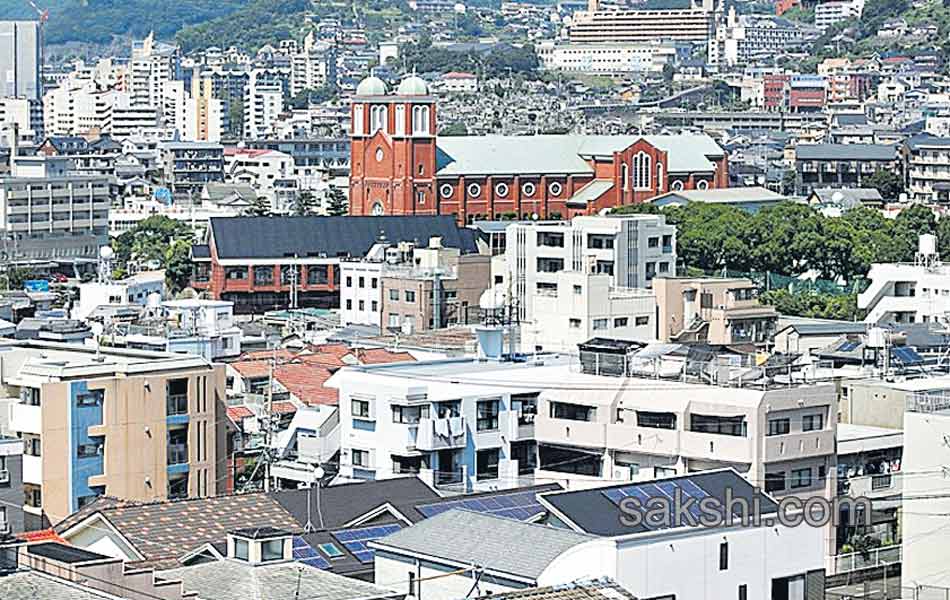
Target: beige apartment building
[[716, 311], [123, 423]]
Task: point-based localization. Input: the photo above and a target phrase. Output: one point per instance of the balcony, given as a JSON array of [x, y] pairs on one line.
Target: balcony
[[871, 486], [643, 439], [799, 445], [714, 446], [576, 433], [26, 418], [438, 434]]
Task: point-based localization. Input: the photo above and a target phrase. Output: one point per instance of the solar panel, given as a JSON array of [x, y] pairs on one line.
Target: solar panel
[[304, 553], [355, 540], [516, 505], [848, 346], [906, 355], [665, 490]]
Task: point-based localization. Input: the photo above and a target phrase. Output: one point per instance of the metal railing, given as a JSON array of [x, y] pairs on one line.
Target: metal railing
[[929, 402], [878, 557]]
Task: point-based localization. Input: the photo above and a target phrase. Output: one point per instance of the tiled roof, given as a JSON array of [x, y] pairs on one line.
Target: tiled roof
[[43, 535], [306, 382], [236, 413], [252, 368], [594, 589], [164, 531], [280, 354], [379, 356], [283, 407]]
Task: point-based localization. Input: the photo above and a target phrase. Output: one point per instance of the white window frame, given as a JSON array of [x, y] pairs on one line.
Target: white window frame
[[501, 190], [555, 189], [474, 190], [446, 190], [529, 186]]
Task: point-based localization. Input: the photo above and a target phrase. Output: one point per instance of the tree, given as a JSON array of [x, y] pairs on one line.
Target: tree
[[889, 183], [304, 204], [456, 128], [788, 182], [788, 238], [178, 266], [236, 117], [260, 207], [158, 241], [337, 203]]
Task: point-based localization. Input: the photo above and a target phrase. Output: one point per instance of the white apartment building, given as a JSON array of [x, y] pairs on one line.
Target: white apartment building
[[916, 292], [26, 115], [580, 306], [136, 290], [694, 24], [263, 103], [269, 172], [314, 66], [631, 249], [152, 65], [362, 304], [606, 58], [925, 501], [743, 38], [928, 168], [837, 11]]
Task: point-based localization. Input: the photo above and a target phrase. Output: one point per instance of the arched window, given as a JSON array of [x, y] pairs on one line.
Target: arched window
[[625, 176], [642, 169], [359, 126], [377, 117], [660, 182], [400, 120], [702, 185], [420, 120]]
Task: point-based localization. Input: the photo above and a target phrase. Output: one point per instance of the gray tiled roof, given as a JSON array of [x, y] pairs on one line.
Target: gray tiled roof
[[879, 152], [233, 580], [593, 589], [495, 543], [33, 585]]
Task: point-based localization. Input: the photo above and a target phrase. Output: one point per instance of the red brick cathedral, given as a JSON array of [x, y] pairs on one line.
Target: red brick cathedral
[[400, 167]]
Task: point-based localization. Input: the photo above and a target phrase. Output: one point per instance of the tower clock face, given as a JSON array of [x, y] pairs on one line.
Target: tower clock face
[[378, 209]]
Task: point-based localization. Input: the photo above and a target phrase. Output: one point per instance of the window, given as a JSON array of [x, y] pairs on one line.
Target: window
[[241, 549], [656, 420], [621, 322], [362, 282], [360, 408], [723, 556], [235, 273], [735, 426], [486, 415], [272, 550], [374, 283], [600, 242], [377, 118], [349, 282], [578, 290], [30, 396], [813, 422], [349, 304], [394, 295], [625, 176], [667, 243], [550, 265], [801, 478], [88, 450], [410, 296], [360, 458], [705, 300], [330, 550], [743, 592], [575, 323], [600, 324], [653, 242], [604, 267], [572, 412], [176, 397], [92, 398], [361, 305], [317, 274], [400, 119], [486, 464], [664, 267], [394, 320], [640, 321], [420, 120], [263, 275], [374, 306], [550, 239], [779, 426], [409, 414], [642, 171]]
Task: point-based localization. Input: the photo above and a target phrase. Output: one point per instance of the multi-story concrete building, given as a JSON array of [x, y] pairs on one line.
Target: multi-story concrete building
[[744, 38], [313, 67], [263, 103], [313, 157], [632, 250], [715, 311], [578, 306], [928, 168], [843, 165], [123, 423], [20, 54], [693, 24], [916, 292], [607, 58], [191, 165], [26, 114], [412, 288], [830, 12], [47, 215], [269, 172], [151, 66]]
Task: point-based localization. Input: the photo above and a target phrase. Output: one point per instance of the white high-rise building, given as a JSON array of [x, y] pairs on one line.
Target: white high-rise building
[[312, 67], [263, 103], [153, 63], [20, 60]]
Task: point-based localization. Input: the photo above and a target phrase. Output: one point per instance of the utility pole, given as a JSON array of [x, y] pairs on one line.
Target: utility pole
[[269, 419]]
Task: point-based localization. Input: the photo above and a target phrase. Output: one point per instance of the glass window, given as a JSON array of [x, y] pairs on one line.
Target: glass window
[[775, 482], [779, 426], [575, 323], [487, 415], [410, 296], [642, 321], [91, 398], [813, 422], [394, 295], [486, 466], [656, 420], [801, 477], [621, 322], [360, 458], [600, 324], [263, 275], [272, 550], [240, 549], [360, 408], [330, 550], [572, 412]]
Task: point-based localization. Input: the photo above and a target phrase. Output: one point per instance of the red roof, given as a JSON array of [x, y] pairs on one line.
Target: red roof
[[458, 75], [252, 368], [237, 413], [379, 356], [282, 354], [305, 382], [43, 535], [284, 407]]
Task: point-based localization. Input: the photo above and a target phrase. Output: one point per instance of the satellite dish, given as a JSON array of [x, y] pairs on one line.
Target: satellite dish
[[106, 253]]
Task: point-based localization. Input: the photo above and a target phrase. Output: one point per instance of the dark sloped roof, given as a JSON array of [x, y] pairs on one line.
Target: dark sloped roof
[[280, 237], [829, 328], [200, 251], [594, 513], [845, 152], [927, 139]]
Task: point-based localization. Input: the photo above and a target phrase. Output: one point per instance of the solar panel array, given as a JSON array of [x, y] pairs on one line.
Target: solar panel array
[[907, 356], [355, 539], [305, 554], [662, 489], [848, 346], [517, 505]]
